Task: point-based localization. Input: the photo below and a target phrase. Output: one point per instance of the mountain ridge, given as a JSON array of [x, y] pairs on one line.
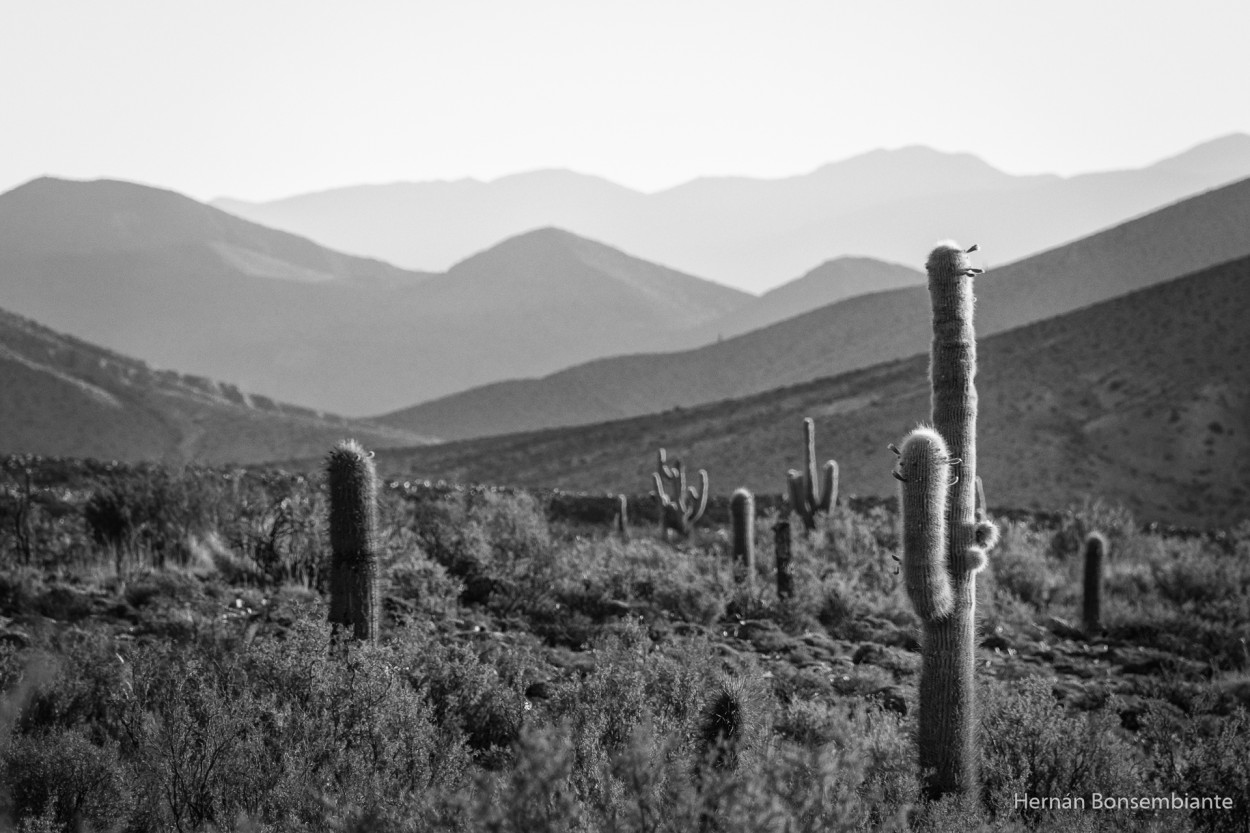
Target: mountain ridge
[[159, 276], [755, 233]]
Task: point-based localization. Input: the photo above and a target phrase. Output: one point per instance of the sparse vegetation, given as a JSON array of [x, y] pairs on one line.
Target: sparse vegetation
[[540, 674]]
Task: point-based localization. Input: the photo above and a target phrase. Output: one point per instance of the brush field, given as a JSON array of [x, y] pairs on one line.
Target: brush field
[[166, 664]]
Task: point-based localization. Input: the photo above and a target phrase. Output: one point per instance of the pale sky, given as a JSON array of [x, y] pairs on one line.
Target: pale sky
[[260, 99]]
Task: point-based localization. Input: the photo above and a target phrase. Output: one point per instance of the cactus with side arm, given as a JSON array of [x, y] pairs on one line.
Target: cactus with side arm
[[946, 534], [681, 511], [812, 493], [353, 540]]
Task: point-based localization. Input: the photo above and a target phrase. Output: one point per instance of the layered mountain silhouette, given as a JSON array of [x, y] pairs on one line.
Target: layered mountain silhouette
[[859, 332], [755, 233], [1139, 400], [161, 277], [66, 398]]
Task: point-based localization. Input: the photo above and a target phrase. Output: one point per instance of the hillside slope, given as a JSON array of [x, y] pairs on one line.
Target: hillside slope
[[856, 333], [63, 397], [1140, 400]]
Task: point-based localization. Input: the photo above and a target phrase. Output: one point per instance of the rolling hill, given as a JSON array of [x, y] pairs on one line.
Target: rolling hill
[[1140, 400], [859, 332], [158, 276], [754, 233], [66, 398]]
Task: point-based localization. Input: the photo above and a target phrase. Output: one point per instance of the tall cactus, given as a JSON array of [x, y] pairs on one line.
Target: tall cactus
[[944, 542], [686, 506], [1095, 550], [785, 564], [806, 497], [622, 517], [742, 509], [353, 540]]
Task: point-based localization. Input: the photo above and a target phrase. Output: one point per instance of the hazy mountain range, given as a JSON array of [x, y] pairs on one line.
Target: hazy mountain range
[[1139, 400], [1203, 231], [754, 233], [158, 276], [66, 398]]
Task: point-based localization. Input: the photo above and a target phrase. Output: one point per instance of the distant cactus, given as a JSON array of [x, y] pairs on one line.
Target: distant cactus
[[785, 567], [1095, 551], [622, 517], [353, 540], [806, 498], [945, 535], [742, 508], [686, 506]]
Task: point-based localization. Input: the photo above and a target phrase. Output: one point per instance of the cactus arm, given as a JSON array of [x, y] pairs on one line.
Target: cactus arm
[[925, 474], [701, 505], [828, 486], [665, 470], [659, 489], [809, 467], [794, 480]]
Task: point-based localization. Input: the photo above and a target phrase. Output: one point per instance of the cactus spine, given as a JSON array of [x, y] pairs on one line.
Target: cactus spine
[[806, 498], [785, 568], [742, 508], [684, 509], [353, 540], [944, 544], [1095, 549]]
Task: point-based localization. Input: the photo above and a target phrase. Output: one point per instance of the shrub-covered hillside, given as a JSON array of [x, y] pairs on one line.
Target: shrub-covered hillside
[[166, 664]]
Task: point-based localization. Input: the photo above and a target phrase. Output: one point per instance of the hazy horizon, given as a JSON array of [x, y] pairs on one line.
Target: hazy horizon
[[261, 102]]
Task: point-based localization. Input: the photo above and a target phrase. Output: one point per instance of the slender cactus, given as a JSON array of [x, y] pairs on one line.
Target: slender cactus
[[785, 568], [806, 497], [1095, 550], [944, 540], [742, 508], [686, 506], [622, 517], [353, 540]]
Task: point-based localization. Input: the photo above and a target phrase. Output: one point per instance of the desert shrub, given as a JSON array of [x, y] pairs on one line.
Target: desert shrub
[[154, 511], [61, 777], [77, 688], [1091, 515], [1202, 758], [279, 525], [536, 795], [1020, 566], [289, 732], [423, 587], [481, 699], [1032, 745], [1195, 575]]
